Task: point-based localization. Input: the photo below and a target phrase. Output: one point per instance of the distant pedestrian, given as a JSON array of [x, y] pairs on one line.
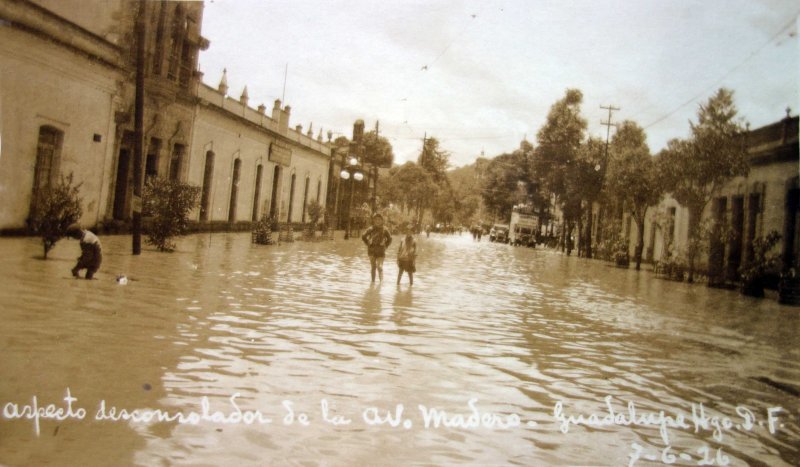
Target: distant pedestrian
[[377, 239], [407, 259], [91, 251]]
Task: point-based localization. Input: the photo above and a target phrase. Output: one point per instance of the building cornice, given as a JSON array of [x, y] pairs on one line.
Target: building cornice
[[271, 133], [36, 20]]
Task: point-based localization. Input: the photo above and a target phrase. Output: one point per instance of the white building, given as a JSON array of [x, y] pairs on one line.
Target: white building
[[765, 200], [66, 106]]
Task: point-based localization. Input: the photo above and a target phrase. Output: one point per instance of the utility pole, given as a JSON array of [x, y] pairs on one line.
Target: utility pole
[[607, 124], [136, 224]]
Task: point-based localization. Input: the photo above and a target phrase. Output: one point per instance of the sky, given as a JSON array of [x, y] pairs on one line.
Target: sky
[[481, 76]]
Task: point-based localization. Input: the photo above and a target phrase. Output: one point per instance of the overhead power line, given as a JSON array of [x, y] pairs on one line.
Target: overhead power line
[[731, 71]]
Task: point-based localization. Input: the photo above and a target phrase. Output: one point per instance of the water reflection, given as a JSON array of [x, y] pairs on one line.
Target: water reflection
[[514, 328]]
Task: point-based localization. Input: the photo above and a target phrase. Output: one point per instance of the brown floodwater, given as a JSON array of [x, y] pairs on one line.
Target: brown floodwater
[[227, 353]]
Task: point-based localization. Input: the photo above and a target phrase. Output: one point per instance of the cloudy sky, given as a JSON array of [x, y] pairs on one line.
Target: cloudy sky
[[481, 75]]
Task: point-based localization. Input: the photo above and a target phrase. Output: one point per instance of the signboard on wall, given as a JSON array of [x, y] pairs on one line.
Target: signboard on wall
[[280, 154]]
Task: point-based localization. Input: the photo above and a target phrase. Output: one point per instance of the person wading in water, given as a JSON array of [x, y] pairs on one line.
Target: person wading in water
[[377, 238]]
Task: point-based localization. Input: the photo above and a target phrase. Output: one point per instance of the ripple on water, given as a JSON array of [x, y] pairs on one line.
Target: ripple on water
[[517, 329]]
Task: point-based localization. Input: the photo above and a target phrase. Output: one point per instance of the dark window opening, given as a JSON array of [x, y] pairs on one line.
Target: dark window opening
[[291, 198], [205, 197], [175, 162], [151, 163], [124, 178], [273, 203], [237, 164], [305, 201], [48, 149], [257, 193]]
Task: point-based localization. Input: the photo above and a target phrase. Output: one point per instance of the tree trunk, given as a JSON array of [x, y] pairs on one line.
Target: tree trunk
[[589, 232], [600, 223], [639, 238], [568, 238]]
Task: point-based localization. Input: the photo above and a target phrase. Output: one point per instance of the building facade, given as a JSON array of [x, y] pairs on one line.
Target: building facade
[[250, 165], [745, 209], [67, 88], [60, 90]]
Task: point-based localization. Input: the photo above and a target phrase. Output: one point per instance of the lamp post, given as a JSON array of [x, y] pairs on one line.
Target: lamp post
[[351, 171]]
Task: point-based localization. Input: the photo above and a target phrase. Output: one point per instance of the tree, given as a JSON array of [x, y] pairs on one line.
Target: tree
[[584, 181], [434, 160], [410, 187], [694, 170], [54, 209], [559, 142], [501, 184], [168, 202], [377, 150], [591, 178], [633, 179], [467, 185], [377, 154], [555, 160]]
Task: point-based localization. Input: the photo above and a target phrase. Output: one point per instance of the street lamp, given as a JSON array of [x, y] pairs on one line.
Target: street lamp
[[351, 171]]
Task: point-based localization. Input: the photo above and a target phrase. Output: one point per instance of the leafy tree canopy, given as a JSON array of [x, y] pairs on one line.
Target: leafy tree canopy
[[434, 160], [377, 150], [559, 141]]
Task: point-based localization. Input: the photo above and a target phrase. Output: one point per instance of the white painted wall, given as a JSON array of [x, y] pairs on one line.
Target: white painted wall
[[43, 84]]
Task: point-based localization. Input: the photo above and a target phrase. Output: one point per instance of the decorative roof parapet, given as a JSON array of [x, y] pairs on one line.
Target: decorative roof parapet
[[278, 123], [244, 97], [223, 83]]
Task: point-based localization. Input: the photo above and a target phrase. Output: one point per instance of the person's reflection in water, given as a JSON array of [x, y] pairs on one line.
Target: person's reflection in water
[[401, 305], [371, 305]]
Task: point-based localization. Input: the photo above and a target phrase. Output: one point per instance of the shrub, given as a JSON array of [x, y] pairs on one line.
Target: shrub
[[764, 261], [262, 230], [168, 203], [54, 209], [315, 213]]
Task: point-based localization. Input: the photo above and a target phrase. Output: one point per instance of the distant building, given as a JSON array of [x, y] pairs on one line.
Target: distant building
[[67, 92]]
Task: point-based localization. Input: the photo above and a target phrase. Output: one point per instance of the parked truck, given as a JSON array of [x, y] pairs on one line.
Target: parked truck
[[524, 226]]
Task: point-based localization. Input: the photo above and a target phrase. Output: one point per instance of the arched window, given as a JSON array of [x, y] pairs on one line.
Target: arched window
[[305, 200], [273, 202], [208, 176], [151, 161], [158, 52], [177, 36], [48, 151], [257, 193], [176, 161], [237, 164], [122, 185], [291, 198]]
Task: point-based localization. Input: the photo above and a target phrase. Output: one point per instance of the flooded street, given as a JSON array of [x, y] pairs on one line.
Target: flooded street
[[531, 336]]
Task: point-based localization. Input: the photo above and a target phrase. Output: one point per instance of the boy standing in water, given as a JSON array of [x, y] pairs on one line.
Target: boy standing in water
[[377, 239], [406, 259], [91, 251]]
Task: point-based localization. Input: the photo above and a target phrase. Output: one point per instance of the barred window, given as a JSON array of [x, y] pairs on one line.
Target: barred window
[[48, 151]]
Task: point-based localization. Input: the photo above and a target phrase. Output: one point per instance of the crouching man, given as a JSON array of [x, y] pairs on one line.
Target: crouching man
[[91, 251]]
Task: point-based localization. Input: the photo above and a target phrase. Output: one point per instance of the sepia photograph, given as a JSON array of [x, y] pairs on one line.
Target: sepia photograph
[[399, 233]]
